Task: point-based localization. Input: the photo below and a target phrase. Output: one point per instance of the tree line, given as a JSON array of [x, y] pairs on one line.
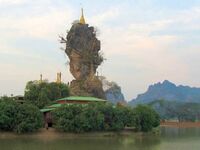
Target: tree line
[[181, 111], [26, 117], [104, 117]]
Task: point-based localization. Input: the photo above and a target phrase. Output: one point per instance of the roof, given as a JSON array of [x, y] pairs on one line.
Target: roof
[[71, 98], [51, 107], [46, 109], [55, 105], [82, 98]]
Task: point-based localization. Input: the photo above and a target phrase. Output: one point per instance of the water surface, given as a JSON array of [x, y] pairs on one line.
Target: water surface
[[170, 139]]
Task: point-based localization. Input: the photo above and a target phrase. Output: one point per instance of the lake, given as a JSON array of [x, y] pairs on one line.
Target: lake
[[169, 139]]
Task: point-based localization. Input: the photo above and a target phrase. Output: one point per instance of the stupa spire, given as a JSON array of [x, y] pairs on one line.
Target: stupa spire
[[82, 19]]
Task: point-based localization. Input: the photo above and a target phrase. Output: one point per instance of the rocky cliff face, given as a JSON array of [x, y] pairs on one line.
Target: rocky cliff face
[[82, 48], [168, 91], [112, 91]]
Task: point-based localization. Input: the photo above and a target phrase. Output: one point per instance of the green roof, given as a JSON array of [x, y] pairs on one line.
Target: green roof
[[82, 98], [55, 105], [71, 98], [46, 109]]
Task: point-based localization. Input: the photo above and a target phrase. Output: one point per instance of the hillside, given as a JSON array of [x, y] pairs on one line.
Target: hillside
[[181, 111], [169, 92]]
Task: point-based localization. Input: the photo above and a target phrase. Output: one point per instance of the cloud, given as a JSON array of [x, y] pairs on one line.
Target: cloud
[[145, 57], [12, 2], [139, 50], [41, 26], [107, 15]]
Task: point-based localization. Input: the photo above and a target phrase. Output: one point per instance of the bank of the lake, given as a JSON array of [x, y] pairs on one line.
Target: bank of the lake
[[180, 124], [52, 133]]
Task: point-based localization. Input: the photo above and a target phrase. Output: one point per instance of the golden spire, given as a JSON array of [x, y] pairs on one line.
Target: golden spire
[[58, 78], [82, 20], [40, 78]]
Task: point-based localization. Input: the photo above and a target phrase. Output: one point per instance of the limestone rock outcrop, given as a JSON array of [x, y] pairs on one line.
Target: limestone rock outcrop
[[112, 91], [83, 50]]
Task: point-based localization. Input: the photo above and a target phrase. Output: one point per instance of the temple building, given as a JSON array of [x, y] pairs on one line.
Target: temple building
[[48, 120]]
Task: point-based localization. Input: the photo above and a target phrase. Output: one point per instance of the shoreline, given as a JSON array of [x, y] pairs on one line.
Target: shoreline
[[180, 124], [52, 133]]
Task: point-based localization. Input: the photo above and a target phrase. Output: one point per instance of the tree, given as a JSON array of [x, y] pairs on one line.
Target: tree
[[7, 112], [42, 93], [145, 118], [28, 118], [92, 117], [182, 111], [66, 118], [115, 117], [104, 117], [17, 117]]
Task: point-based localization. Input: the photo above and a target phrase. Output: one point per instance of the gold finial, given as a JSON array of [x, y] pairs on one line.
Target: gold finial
[[58, 78], [40, 78], [82, 20]]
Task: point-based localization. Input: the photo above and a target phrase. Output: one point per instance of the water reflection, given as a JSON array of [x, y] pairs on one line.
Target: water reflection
[[170, 138], [180, 132]]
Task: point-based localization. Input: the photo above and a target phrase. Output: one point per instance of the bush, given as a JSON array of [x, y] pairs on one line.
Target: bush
[[7, 112], [92, 117], [104, 117], [77, 118], [41, 94], [28, 118], [20, 118], [145, 118], [113, 118], [66, 117]]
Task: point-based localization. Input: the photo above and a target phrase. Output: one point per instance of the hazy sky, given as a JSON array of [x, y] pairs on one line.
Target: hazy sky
[[144, 41]]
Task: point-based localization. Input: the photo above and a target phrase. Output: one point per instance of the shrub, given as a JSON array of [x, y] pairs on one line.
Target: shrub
[[7, 112], [65, 118], [103, 117], [145, 118], [78, 118], [28, 118], [20, 118], [42, 93], [113, 118], [91, 117]]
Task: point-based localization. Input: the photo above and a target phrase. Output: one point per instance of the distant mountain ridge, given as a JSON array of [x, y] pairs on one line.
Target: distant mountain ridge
[[168, 91]]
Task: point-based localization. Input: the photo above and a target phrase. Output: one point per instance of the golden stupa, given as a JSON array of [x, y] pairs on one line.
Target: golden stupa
[[82, 20]]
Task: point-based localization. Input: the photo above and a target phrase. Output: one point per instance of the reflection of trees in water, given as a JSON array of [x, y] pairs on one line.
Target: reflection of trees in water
[[169, 138], [83, 143], [142, 142], [148, 142], [177, 133]]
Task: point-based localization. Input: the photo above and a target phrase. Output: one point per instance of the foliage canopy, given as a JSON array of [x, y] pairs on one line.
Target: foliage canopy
[[17, 117], [104, 117], [42, 93]]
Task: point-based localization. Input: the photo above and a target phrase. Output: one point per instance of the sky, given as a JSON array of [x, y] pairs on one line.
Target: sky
[[143, 41]]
